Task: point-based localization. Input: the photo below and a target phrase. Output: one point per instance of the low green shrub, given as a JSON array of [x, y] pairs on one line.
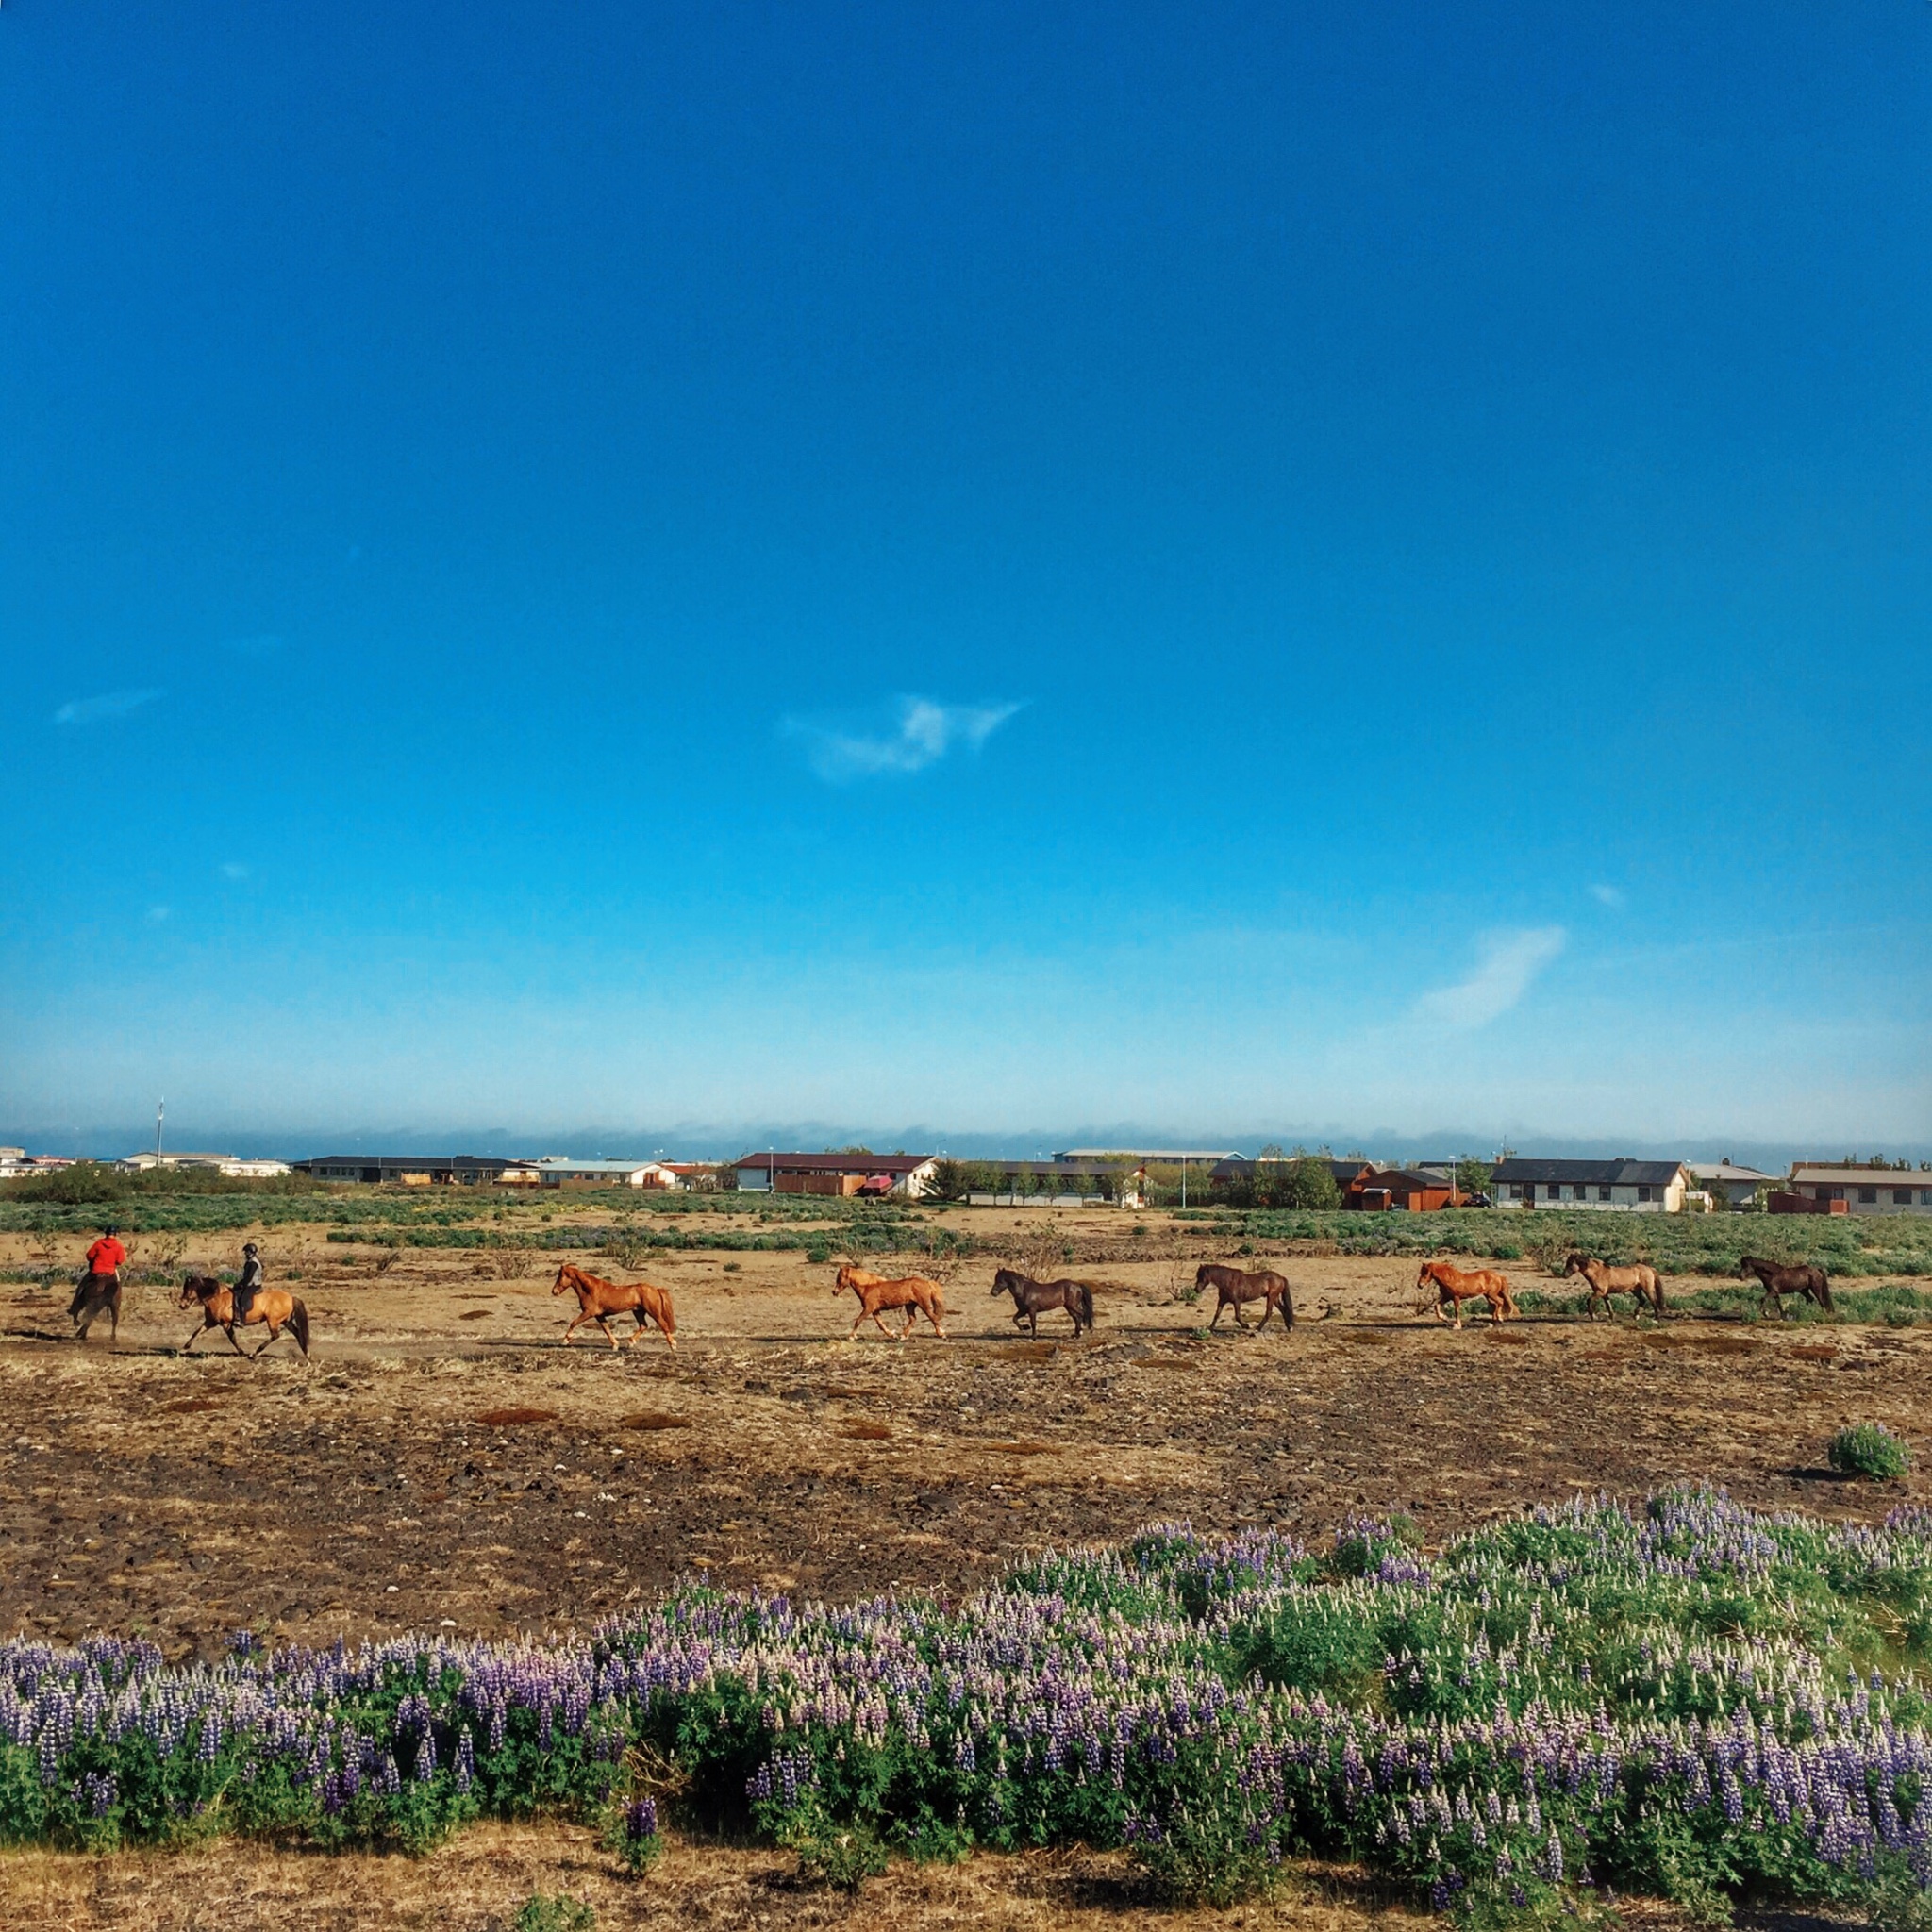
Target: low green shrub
[[543, 1912], [1869, 1450]]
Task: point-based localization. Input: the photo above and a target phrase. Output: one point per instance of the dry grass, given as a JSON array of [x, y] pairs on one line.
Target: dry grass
[[476, 1884]]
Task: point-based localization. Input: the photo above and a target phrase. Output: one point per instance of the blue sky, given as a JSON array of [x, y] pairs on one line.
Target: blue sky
[[1236, 570]]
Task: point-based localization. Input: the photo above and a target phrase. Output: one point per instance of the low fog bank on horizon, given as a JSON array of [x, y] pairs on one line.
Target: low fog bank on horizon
[[713, 1142]]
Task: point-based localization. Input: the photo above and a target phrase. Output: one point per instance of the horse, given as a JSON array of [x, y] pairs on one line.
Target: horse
[[1640, 1280], [1780, 1278], [95, 1295], [911, 1293], [1232, 1288], [1453, 1287], [598, 1299], [275, 1307], [1031, 1299]]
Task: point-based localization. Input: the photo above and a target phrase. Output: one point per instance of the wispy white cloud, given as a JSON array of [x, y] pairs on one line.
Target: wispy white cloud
[[1608, 895], [113, 704], [925, 733], [233, 871], [1510, 963], [159, 913]]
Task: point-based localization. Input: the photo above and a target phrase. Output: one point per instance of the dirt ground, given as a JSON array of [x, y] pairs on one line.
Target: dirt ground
[[442, 1460]]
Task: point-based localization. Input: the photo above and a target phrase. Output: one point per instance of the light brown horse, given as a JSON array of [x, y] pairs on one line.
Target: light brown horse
[[275, 1307], [1232, 1288], [598, 1299], [1640, 1279], [1453, 1287], [911, 1293]]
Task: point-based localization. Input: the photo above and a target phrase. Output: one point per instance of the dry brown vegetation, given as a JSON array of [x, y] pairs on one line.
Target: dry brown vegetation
[[444, 1460]]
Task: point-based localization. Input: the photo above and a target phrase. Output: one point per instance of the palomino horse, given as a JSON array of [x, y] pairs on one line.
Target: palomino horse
[[1453, 1287], [95, 1295], [1780, 1278], [1032, 1299], [911, 1293], [275, 1307], [598, 1299], [1232, 1288], [1640, 1279]]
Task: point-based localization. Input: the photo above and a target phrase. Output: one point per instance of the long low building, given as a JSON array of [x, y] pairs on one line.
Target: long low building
[[1862, 1190], [236, 1166], [560, 1171], [1633, 1187], [837, 1174], [423, 1170]]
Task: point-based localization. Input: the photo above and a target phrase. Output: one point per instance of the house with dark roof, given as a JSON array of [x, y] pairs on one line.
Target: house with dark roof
[[1631, 1187], [837, 1175]]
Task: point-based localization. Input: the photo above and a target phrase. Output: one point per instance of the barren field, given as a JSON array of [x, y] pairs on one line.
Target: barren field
[[444, 1460]]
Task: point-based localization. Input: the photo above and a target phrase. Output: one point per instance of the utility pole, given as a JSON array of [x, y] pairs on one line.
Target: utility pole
[[160, 1110]]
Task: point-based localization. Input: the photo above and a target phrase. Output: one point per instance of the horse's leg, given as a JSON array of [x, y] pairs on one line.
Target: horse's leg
[[609, 1332], [188, 1344], [228, 1329], [1219, 1302], [274, 1335]]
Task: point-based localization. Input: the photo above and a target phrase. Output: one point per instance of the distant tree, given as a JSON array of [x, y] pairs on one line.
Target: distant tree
[[951, 1181], [1306, 1182]]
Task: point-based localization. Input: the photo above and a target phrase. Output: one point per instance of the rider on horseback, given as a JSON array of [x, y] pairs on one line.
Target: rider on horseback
[[103, 1275], [248, 1282]]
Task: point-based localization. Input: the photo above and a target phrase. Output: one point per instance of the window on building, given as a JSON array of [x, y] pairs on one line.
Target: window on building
[[1900, 1197], [1868, 1197], [1515, 1191], [1642, 1192], [1603, 1194]]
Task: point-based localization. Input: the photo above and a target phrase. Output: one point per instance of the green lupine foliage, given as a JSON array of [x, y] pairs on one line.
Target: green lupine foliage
[[1691, 1699]]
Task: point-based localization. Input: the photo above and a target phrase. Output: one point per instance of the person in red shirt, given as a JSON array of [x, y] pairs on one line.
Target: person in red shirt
[[99, 1289]]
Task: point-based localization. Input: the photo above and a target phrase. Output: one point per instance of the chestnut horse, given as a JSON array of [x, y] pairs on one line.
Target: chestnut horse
[[275, 1307], [1780, 1278], [1031, 1299], [1641, 1279], [1232, 1288], [1453, 1287], [598, 1299], [911, 1293]]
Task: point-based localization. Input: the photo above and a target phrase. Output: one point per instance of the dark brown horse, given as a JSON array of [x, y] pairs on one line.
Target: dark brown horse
[[911, 1293], [1780, 1278], [95, 1295], [275, 1307], [598, 1300], [1032, 1299], [1640, 1279], [1453, 1285], [1232, 1288]]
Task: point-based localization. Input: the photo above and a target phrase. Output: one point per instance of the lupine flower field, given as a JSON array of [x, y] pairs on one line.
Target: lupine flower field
[[1689, 1699]]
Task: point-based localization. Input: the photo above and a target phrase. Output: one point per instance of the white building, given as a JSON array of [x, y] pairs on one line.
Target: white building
[[837, 1175], [230, 1164], [1865, 1189], [1632, 1187], [1725, 1181], [560, 1171]]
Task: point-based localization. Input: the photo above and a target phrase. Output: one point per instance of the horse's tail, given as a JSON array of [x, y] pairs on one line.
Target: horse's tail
[[1824, 1290], [667, 1319], [1656, 1289], [1087, 1303], [298, 1320], [937, 1312]]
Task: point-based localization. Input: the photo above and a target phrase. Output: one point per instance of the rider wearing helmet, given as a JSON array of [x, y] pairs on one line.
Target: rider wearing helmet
[[248, 1282]]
